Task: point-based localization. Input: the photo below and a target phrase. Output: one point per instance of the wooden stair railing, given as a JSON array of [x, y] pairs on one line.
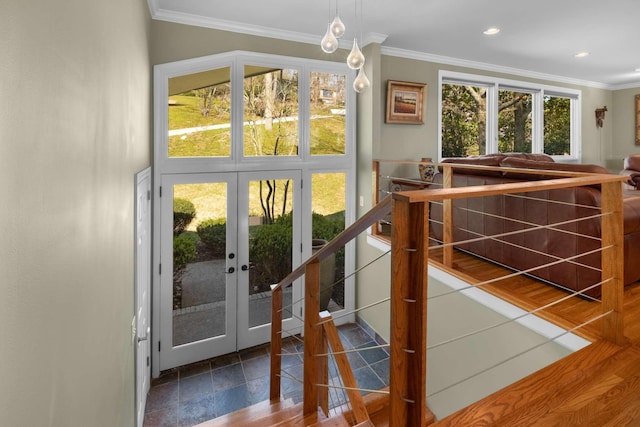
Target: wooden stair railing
[[313, 329], [409, 244]]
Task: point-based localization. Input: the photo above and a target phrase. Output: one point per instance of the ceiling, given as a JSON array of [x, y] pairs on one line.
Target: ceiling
[[537, 39]]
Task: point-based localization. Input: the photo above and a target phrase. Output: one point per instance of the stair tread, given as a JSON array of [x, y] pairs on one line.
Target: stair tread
[[537, 390], [261, 414]]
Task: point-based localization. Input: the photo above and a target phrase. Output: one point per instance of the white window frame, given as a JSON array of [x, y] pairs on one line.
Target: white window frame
[[237, 162], [538, 91]]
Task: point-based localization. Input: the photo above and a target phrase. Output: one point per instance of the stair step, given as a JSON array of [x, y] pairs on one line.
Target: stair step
[[540, 393], [261, 414]]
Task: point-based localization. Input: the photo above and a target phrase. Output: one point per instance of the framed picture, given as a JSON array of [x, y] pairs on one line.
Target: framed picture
[[405, 102], [637, 119]]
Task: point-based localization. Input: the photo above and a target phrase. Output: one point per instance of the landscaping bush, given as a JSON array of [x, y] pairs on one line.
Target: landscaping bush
[[184, 250], [213, 233], [183, 213], [270, 252], [270, 247]]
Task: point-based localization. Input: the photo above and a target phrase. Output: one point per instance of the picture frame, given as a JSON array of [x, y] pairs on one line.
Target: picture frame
[[405, 102], [637, 119]]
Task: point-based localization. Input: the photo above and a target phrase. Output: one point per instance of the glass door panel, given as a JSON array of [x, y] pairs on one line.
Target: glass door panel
[[327, 125], [272, 242], [328, 202], [270, 112], [199, 114], [198, 280]]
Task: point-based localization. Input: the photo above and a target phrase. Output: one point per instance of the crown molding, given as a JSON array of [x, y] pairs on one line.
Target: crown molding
[[632, 85], [403, 53], [232, 26], [255, 30]]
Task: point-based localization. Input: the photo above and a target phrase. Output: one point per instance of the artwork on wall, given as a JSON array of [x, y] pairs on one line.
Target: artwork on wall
[[405, 102], [637, 119]]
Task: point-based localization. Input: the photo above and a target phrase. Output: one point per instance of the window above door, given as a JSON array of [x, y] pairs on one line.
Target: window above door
[[239, 109]]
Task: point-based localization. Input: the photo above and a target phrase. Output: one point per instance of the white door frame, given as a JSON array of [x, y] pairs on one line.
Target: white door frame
[[142, 262]]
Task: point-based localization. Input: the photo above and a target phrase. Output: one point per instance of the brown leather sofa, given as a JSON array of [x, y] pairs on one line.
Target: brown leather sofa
[[632, 169], [524, 251]]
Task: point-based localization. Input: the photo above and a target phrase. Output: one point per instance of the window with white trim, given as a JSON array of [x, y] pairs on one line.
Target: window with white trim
[[481, 115]]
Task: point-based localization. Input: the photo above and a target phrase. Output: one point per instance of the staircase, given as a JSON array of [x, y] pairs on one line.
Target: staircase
[[578, 390]]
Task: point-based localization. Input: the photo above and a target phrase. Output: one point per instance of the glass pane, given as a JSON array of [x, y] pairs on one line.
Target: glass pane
[[557, 126], [200, 114], [270, 245], [270, 112], [327, 109], [514, 122], [464, 120], [199, 248], [328, 205]]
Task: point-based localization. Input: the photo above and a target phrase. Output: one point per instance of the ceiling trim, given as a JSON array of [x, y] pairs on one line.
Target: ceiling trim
[[232, 26], [255, 30], [391, 51]]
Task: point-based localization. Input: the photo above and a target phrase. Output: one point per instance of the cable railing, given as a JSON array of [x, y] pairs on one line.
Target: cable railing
[[420, 222]]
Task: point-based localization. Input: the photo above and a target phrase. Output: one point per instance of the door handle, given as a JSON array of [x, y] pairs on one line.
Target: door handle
[[231, 270], [145, 336]]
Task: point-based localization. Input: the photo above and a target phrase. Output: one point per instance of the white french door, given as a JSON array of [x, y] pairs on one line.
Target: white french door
[[215, 283]]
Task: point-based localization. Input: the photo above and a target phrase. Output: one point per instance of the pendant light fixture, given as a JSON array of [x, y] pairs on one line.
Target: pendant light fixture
[[361, 83], [329, 43], [355, 59], [337, 26]]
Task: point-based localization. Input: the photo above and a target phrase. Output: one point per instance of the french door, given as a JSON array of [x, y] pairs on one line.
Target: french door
[[224, 239]]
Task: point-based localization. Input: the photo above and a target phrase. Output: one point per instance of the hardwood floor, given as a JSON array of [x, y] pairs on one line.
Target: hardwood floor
[[596, 386]]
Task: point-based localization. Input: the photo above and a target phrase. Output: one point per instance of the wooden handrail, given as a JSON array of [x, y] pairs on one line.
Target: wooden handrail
[[375, 214], [428, 195]]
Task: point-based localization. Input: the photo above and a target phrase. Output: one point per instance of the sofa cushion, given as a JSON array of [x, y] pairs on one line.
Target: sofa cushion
[[632, 162], [476, 161], [539, 157], [512, 162]]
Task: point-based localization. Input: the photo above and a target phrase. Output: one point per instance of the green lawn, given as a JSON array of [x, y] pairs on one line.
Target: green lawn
[[327, 137]]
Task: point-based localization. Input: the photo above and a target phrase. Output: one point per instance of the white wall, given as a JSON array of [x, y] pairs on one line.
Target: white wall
[[75, 119]]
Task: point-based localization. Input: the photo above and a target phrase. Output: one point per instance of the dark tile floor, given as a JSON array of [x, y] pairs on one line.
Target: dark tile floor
[[195, 393]]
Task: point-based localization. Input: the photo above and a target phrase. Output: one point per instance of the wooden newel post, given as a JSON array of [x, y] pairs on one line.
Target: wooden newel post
[[612, 262], [276, 344], [409, 246], [312, 339], [447, 218]]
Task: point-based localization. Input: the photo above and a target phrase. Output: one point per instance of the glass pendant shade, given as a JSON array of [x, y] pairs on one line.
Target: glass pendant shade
[[329, 43], [361, 83], [355, 60], [337, 27]]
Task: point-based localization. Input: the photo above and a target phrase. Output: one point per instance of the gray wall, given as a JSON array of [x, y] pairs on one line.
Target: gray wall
[[606, 146], [75, 127]]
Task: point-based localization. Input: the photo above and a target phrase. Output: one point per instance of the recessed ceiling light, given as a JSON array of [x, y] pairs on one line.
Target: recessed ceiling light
[[581, 54], [491, 31]]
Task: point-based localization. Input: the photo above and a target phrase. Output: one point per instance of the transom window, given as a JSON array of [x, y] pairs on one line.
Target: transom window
[[480, 115]]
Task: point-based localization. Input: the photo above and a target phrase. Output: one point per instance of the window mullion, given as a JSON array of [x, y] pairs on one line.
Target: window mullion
[[492, 119]]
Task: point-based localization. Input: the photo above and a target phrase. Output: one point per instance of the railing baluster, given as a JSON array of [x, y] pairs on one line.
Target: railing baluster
[[312, 339], [409, 263], [612, 262], [276, 343]]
